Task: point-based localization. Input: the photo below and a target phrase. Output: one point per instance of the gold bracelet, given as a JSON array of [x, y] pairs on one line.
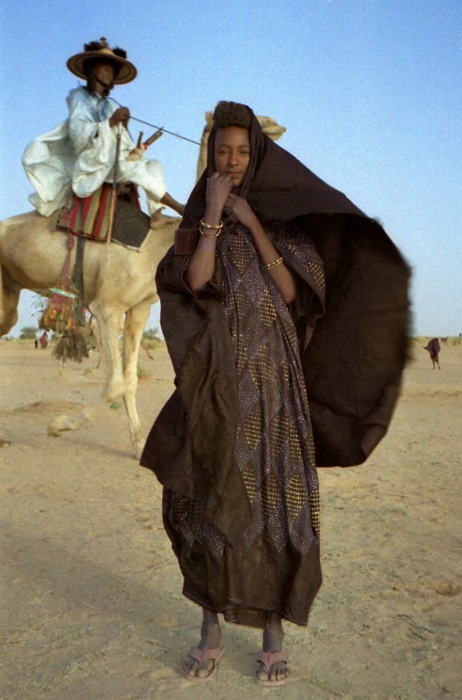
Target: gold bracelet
[[275, 263], [209, 235], [217, 229]]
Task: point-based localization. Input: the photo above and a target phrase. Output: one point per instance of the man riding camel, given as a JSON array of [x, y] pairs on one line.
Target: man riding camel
[[93, 147]]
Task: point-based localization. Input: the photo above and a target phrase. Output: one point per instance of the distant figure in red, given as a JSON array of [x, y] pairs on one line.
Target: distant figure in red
[[44, 340], [434, 348]]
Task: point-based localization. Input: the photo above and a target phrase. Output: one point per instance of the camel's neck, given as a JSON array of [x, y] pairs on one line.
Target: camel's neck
[[161, 239]]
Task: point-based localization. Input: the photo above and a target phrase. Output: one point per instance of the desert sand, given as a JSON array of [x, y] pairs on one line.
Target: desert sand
[[90, 598]]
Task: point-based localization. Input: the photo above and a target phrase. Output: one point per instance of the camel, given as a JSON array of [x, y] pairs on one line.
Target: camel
[[119, 288], [118, 283]]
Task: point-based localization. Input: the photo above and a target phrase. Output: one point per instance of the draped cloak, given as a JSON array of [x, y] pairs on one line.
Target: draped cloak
[[353, 342]]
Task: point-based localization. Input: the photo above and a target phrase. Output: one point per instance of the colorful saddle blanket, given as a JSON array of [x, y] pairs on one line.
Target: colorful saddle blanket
[[91, 217]]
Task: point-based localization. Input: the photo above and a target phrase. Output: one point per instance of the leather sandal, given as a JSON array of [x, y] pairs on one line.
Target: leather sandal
[[268, 659], [202, 655]]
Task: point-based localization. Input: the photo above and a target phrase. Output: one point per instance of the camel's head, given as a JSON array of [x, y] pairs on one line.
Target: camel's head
[[270, 127]]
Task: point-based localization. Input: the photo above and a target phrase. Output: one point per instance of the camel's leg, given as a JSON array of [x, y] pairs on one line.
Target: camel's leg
[[9, 300], [146, 350], [96, 338], [108, 325], [135, 322]]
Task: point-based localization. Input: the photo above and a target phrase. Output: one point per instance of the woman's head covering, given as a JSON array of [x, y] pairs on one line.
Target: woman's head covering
[[100, 50], [277, 186]]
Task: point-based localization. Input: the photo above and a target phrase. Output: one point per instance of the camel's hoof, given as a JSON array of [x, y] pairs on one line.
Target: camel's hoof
[[138, 448], [58, 426]]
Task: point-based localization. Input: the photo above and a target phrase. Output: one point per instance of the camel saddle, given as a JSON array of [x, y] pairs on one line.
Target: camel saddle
[[91, 217]]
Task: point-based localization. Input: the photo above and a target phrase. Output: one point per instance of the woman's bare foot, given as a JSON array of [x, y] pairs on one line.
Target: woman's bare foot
[[210, 639], [272, 664]]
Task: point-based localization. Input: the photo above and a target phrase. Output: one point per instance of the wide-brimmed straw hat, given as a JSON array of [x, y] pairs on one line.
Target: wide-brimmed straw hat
[[100, 50]]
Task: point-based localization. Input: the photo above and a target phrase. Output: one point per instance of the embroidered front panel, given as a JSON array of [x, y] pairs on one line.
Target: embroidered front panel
[[274, 447]]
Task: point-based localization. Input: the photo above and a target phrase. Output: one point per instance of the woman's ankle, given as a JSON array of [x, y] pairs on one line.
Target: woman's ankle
[[273, 634], [210, 631]]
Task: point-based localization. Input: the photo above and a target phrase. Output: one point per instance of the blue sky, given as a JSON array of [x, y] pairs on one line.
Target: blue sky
[[370, 94]]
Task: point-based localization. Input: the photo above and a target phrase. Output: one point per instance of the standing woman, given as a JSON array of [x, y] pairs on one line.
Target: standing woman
[[255, 347]]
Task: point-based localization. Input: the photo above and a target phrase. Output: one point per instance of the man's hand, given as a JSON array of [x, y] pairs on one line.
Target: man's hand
[[120, 116]]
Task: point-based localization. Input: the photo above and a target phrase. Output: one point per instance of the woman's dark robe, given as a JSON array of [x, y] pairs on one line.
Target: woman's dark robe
[[353, 348]]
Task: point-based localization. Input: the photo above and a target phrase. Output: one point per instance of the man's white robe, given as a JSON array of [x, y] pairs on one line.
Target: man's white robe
[[80, 154]]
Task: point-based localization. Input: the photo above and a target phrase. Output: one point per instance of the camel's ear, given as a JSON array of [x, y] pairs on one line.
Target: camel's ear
[[274, 132], [209, 119], [271, 128]]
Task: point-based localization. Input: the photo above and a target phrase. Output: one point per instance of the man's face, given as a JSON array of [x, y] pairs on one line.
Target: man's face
[[104, 74]]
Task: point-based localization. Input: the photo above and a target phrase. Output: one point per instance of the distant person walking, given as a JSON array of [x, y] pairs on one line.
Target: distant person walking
[[44, 340], [434, 348]]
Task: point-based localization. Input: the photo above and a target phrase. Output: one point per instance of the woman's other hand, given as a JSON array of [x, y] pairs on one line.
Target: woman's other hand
[[241, 210]]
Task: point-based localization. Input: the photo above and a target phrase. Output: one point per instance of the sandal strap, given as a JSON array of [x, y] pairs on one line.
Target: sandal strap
[[202, 655], [269, 658]]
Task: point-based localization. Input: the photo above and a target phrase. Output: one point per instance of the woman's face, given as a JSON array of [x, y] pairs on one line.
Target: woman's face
[[232, 152]]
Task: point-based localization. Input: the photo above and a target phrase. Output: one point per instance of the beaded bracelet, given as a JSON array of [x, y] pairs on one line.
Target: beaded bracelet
[[203, 224], [275, 263]]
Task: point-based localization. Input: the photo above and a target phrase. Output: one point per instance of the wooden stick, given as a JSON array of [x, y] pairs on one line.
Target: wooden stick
[[154, 137], [114, 188]]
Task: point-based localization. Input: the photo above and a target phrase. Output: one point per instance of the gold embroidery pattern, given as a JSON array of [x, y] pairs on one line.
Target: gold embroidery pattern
[[274, 447]]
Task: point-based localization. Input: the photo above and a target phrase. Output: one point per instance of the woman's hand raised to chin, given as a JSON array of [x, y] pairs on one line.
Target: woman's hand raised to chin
[[202, 264], [216, 194], [241, 210]]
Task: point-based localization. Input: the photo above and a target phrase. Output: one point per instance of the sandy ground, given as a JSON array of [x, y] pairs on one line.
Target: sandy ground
[[90, 592]]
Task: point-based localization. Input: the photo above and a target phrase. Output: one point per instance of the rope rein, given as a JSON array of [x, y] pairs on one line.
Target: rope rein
[[161, 128]]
